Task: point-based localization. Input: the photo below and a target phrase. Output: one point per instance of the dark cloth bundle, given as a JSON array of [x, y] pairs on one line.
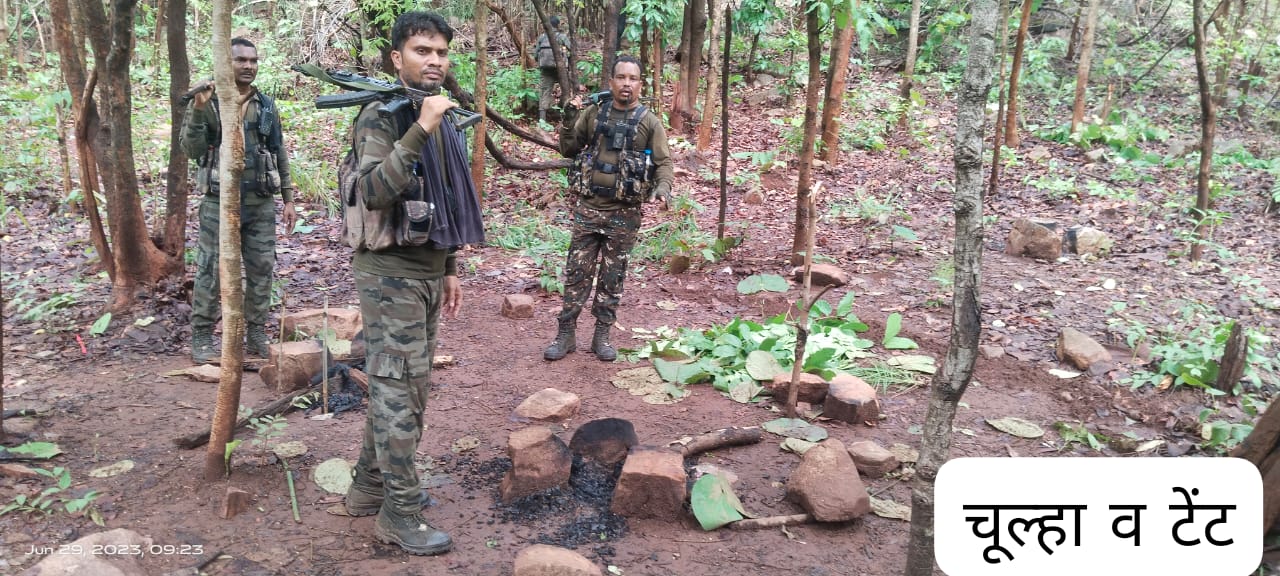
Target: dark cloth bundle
[[457, 215]]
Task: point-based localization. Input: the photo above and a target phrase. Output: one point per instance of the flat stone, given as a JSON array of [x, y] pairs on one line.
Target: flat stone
[[753, 198], [539, 461], [1033, 239], [1092, 242], [652, 485], [991, 351], [872, 459], [813, 389], [306, 324], [517, 306], [606, 441], [235, 501], [826, 484], [822, 275], [292, 365], [850, 399], [1079, 350], [89, 563], [543, 560], [549, 404], [1038, 153]]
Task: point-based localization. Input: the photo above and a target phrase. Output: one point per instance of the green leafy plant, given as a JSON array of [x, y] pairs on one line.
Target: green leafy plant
[[1191, 358], [47, 501], [891, 341], [1078, 434], [763, 282], [265, 429]]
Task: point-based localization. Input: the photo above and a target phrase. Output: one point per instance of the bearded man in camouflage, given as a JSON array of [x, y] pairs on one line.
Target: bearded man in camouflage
[[266, 173], [627, 160], [408, 154]]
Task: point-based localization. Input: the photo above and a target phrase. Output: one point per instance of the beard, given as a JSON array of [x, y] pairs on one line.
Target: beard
[[425, 86]]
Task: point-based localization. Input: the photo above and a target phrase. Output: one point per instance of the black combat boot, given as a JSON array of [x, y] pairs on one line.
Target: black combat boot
[[202, 345], [257, 343], [565, 342], [411, 532], [600, 343]]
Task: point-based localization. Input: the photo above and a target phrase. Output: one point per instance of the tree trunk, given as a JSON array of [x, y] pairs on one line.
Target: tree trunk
[[656, 92], [612, 37], [177, 186], [138, 262], [829, 151], [1082, 72], [1074, 39], [950, 382], [1223, 74], [691, 64], [724, 125], [1011, 138], [812, 94], [1208, 128], [682, 55], [230, 168], [526, 61], [709, 102], [89, 178], [162, 21], [70, 55], [913, 41], [482, 93], [4, 33], [997, 141], [750, 74]]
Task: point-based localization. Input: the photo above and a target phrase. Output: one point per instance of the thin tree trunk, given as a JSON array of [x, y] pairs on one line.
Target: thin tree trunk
[[482, 93], [913, 40], [678, 106], [526, 61], [4, 33], [802, 323], [950, 382], [162, 21], [89, 178], [64, 157], [692, 71], [710, 101], [230, 168], [724, 125], [1208, 129], [177, 187], [1074, 40], [656, 92], [1223, 74], [750, 75], [613, 9], [1082, 72], [35, 18], [829, 151], [1011, 138], [997, 141], [644, 48], [812, 95]]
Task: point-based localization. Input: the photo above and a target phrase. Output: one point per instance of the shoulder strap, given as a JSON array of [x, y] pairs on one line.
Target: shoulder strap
[[632, 122], [602, 120], [266, 122]]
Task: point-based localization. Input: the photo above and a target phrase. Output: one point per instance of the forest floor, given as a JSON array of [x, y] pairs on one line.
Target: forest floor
[[104, 399]]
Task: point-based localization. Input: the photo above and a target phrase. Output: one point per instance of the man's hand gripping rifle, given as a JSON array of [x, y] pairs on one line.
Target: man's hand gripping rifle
[[364, 90]]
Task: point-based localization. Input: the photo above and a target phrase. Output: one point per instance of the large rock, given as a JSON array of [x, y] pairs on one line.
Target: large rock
[[823, 275], [872, 459], [605, 441], [549, 404], [1092, 242], [543, 560], [88, 563], [305, 324], [517, 306], [652, 485], [826, 484], [850, 399], [1079, 350], [539, 461], [292, 364], [1035, 239], [813, 389]]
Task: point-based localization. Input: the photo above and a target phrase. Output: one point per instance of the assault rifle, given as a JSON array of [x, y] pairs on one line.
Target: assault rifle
[[364, 89]]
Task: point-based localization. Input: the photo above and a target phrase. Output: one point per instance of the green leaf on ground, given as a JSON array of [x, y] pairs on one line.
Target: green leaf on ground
[[914, 362], [714, 503], [680, 372], [795, 428], [892, 326], [100, 326], [334, 475], [762, 282], [797, 445], [762, 365], [34, 450]]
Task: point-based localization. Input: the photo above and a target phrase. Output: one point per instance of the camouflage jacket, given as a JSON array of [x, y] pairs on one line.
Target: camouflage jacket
[[201, 138], [577, 131]]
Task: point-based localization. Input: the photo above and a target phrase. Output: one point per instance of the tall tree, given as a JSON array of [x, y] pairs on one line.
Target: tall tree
[[230, 168], [814, 31], [482, 92], [950, 382], [1011, 138], [997, 141], [562, 69], [612, 38], [1208, 129], [4, 34], [836, 77], [1082, 72], [176, 182], [693, 34], [909, 70], [709, 102]]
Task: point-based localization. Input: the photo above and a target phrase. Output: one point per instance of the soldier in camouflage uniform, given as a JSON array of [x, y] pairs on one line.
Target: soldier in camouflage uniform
[[550, 75], [266, 172], [605, 221], [404, 288]]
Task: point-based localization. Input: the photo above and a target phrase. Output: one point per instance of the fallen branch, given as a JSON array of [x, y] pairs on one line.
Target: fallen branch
[[18, 413], [508, 163], [277, 406], [721, 438], [467, 100], [771, 522]]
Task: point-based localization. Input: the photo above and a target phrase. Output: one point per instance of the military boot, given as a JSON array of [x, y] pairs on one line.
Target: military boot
[[411, 532], [202, 345], [257, 343], [565, 342], [364, 501], [600, 343]]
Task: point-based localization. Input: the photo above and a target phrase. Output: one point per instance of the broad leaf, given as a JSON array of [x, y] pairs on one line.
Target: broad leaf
[[762, 282], [890, 509], [34, 450], [743, 388], [334, 475], [819, 359], [714, 503], [892, 341], [112, 470], [795, 428], [797, 445], [822, 307], [846, 305], [1017, 427], [100, 326], [904, 233], [762, 365], [679, 372], [914, 362]]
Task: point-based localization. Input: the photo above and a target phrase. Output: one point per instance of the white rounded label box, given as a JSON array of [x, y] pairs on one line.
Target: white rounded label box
[[1098, 516]]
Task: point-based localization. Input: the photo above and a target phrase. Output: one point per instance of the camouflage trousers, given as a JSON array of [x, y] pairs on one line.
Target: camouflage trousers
[[401, 316], [599, 251], [546, 88], [257, 249]]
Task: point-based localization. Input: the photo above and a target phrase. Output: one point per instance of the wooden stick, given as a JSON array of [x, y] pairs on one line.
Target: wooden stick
[[802, 325], [771, 522], [19, 412], [722, 438], [293, 495]]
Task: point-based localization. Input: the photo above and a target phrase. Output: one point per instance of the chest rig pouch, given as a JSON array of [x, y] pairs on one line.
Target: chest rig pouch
[[614, 140], [261, 174]]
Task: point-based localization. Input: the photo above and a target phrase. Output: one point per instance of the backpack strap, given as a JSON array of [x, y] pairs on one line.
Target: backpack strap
[[632, 122]]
